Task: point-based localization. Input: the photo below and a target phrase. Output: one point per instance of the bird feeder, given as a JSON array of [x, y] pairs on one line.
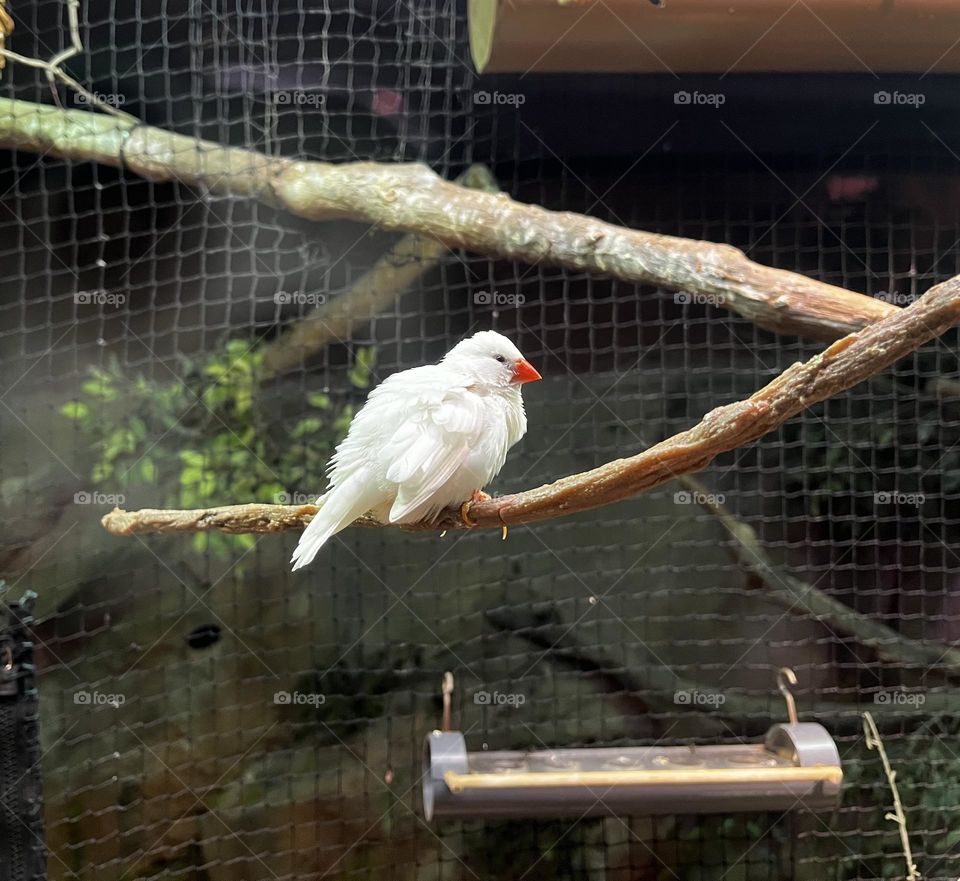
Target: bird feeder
[[796, 767]]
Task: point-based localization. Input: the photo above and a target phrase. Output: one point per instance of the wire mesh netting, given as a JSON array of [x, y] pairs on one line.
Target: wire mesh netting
[[206, 714]]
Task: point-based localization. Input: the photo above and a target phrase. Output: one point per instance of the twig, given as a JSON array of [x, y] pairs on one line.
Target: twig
[[410, 257], [412, 198], [67, 80], [6, 28], [843, 365], [799, 596], [52, 68], [898, 816]]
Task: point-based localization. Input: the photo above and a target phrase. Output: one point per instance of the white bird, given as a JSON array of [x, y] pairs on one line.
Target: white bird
[[426, 438]]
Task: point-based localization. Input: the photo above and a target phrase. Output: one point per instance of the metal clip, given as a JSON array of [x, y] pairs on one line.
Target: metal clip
[[785, 678]]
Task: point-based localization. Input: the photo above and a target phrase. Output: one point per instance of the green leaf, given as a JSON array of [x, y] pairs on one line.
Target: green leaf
[[208, 485], [215, 370], [99, 389], [192, 458], [319, 400], [138, 428], [366, 358], [75, 410], [308, 426], [148, 471]]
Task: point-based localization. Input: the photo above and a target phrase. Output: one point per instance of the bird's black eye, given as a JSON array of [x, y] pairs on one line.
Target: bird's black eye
[[501, 359]]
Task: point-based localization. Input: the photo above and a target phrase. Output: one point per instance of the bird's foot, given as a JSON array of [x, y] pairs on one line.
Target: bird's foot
[[477, 496]]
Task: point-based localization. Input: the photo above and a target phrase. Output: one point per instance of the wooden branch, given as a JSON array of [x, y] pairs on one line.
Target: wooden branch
[[843, 365], [412, 198], [799, 597], [646, 687], [409, 258]]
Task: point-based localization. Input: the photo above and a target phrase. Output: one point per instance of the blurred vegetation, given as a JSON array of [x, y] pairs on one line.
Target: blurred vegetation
[[210, 439]]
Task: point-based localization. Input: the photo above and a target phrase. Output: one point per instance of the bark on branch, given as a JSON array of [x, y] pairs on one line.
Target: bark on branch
[[843, 365], [412, 198]]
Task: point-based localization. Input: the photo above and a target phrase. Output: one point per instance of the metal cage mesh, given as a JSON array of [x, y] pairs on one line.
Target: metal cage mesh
[[166, 751]]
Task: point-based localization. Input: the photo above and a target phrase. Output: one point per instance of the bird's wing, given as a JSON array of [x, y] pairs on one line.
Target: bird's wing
[[437, 424]]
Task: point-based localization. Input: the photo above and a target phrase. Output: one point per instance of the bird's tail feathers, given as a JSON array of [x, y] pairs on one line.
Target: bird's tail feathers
[[338, 509]]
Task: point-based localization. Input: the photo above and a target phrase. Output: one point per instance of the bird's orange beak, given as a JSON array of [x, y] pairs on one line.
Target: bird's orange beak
[[524, 371]]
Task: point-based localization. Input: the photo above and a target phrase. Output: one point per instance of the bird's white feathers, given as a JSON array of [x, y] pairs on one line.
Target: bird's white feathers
[[425, 439]]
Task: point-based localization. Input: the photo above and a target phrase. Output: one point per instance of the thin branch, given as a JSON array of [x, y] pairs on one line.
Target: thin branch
[[53, 68], [74, 49], [898, 816], [67, 80], [843, 365], [411, 257], [647, 686], [802, 598], [412, 198]]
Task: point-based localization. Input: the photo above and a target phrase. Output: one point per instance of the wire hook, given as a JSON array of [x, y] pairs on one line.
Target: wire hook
[[785, 678], [446, 689]]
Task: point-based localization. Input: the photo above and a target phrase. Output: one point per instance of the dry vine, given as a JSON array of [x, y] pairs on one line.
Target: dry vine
[[898, 816], [412, 198], [843, 365]]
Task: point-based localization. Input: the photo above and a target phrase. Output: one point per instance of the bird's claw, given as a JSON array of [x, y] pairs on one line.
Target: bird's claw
[[478, 495]]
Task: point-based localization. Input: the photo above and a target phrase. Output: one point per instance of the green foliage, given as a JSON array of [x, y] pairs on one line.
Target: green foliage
[[209, 439]]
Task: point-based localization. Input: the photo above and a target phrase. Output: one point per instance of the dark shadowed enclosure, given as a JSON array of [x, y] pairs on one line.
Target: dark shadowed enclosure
[[206, 714]]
